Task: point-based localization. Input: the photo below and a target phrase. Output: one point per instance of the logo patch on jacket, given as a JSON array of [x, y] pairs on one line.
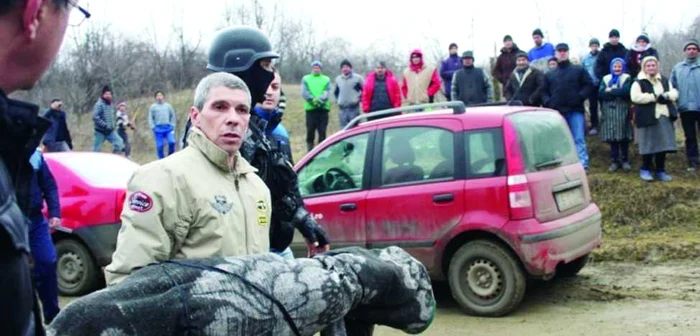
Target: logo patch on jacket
[[140, 202], [221, 205], [262, 206]]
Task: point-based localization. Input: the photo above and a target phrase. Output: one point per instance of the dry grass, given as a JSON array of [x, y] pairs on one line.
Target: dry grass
[[641, 220]]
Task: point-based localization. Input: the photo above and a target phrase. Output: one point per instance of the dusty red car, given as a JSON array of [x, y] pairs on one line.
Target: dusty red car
[[484, 197], [92, 187]]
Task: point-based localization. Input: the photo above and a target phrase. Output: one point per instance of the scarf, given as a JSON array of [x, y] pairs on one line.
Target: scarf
[[615, 80]]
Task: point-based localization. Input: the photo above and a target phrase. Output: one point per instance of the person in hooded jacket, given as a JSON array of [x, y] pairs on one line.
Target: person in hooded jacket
[[638, 52], [525, 83], [420, 81], [505, 63], [471, 85], [611, 50], [449, 66]]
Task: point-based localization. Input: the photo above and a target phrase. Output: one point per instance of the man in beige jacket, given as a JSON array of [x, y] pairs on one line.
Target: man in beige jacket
[[203, 201]]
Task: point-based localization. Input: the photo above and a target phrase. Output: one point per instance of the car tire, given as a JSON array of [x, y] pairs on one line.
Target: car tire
[[77, 272], [571, 269], [486, 279]]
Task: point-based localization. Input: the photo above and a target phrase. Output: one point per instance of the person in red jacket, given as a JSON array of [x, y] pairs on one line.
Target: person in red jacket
[[381, 90], [420, 81]]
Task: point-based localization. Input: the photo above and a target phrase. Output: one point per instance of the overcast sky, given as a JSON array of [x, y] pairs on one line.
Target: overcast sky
[[410, 24]]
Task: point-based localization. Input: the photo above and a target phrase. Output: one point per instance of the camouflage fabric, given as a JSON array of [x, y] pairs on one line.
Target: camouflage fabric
[[342, 292]]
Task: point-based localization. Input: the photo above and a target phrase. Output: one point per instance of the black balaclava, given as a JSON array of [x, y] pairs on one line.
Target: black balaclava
[[257, 79]]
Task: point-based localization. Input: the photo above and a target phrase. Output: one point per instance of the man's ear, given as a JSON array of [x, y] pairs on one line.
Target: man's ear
[[194, 116], [33, 11]]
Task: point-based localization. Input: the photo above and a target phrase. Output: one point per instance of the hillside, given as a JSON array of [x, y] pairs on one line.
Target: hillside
[[641, 221]]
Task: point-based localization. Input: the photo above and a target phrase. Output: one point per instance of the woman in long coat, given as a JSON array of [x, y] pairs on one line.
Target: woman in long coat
[[616, 125]]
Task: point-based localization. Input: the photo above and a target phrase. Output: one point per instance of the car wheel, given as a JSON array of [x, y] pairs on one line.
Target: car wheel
[[77, 272], [485, 279], [571, 269]]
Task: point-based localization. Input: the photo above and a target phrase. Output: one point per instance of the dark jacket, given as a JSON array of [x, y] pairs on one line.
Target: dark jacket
[[505, 64], [472, 86], [103, 114], [43, 188], [448, 68], [526, 88], [566, 88], [21, 130], [634, 59], [645, 114], [59, 128], [609, 53]]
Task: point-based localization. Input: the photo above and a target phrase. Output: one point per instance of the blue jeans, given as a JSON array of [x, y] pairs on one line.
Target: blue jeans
[[164, 133], [577, 125], [44, 272], [113, 138], [286, 254]]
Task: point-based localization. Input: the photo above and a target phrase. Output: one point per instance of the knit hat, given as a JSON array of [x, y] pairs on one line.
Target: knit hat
[[691, 42], [507, 38], [521, 54], [453, 45], [594, 41], [537, 32], [106, 88], [562, 46], [615, 33], [317, 63], [468, 54], [345, 62], [643, 37]]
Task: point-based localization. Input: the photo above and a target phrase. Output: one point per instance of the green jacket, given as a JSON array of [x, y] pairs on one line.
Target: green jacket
[[316, 88]]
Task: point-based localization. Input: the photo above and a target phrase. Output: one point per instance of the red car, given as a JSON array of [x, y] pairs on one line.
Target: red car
[[484, 197], [92, 187]]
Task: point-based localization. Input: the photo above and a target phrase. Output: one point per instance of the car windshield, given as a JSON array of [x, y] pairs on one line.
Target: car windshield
[[545, 140], [101, 170]]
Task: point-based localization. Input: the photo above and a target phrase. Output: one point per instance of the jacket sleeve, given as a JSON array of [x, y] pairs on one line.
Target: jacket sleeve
[[498, 72], [600, 65], [49, 190], [454, 89], [98, 116], [173, 121], [305, 93], [69, 139], [366, 97], [622, 92], [672, 92], [434, 84], [404, 87], [445, 72], [536, 96], [546, 95], [638, 97], [674, 76], [152, 228], [151, 116], [508, 91], [394, 93], [586, 84], [488, 86], [336, 91]]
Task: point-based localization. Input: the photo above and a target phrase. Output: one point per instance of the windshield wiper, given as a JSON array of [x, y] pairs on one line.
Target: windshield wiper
[[549, 163]]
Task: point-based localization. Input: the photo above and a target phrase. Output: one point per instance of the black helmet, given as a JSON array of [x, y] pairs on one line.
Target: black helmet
[[235, 49]]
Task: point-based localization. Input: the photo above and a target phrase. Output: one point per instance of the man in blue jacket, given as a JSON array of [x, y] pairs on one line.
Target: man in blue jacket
[[686, 78], [541, 52], [565, 89], [589, 63], [43, 187], [449, 66]]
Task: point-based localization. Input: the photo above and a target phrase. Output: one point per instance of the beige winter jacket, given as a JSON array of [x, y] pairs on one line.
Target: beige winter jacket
[[191, 205]]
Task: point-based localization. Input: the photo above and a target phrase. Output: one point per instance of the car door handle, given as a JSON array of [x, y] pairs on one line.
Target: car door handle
[[348, 207], [444, 198]]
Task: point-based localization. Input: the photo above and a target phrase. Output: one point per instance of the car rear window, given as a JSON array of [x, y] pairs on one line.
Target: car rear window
[[545, 140], [101, 170]]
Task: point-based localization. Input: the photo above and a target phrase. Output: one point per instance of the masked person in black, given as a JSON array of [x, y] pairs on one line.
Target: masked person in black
[[240, 51]]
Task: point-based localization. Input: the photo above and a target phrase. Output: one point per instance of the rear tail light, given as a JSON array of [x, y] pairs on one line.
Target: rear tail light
[[519, 197]]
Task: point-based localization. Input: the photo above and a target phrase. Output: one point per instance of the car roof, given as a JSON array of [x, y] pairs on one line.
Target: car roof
[[97, 169]]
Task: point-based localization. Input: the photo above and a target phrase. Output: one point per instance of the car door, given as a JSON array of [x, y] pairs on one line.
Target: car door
[[337, 205], [417, 190]]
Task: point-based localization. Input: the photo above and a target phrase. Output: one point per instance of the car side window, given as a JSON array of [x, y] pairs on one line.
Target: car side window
[[485, 153], [339, 167], [415, 154]]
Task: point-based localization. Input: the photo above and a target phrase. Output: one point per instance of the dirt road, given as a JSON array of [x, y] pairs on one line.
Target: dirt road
[[605, 299]]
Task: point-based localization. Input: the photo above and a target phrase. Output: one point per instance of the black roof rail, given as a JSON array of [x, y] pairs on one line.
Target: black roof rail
[[457, 106]]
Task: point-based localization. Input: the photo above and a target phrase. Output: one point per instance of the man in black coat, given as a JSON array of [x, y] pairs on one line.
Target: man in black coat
[[525, 83], [31, 33], [611, 50], [57, 138], [565, 89]]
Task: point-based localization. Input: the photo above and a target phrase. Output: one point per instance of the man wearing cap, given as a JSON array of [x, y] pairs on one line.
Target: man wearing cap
[[103, 115], [589, 63], [471, 85], [316, 89], [448, 67], [611, 50], [381, 91], [525, 83], [347, 93], [685, 77], [203, 201], [565, 89], [642, 48], [505, 63], [541, 52]]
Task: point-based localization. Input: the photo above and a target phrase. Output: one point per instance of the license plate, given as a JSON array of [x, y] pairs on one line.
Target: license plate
[[569, 199]]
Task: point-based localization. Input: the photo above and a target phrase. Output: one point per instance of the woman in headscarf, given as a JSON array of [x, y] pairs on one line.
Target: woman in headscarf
[[655, 112], [616, 126]]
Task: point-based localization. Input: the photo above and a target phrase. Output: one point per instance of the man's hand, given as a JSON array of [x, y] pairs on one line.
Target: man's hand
[[54, 222], [313, 249], [608, 89]]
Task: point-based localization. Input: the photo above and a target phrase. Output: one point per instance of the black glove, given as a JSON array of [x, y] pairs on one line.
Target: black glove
[[661, 99]]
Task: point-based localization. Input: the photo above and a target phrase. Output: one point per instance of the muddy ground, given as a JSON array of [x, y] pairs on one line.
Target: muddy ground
[[605, 299]]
